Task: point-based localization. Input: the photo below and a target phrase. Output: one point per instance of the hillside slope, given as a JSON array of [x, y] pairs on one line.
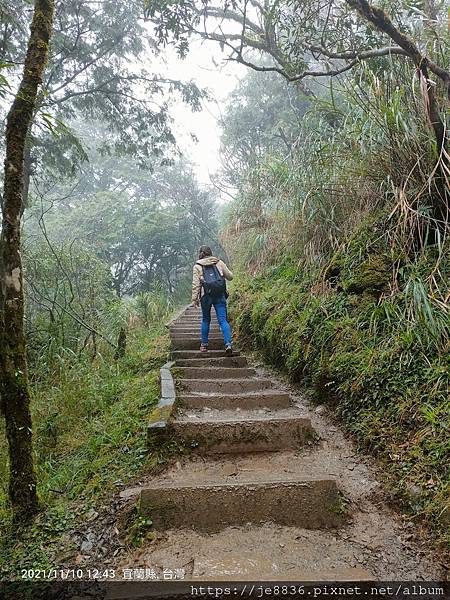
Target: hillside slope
[[370, 336]]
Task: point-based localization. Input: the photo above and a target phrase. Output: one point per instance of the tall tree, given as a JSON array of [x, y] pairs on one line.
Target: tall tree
[[312, 39], [262, 115], [14, 390], [97, 70], [146, 225]]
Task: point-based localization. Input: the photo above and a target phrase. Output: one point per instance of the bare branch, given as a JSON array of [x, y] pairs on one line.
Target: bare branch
[[362, 55], [299, 76], [229, 15]]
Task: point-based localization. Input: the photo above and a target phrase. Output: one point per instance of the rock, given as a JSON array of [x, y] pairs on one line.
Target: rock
[[91, 515], [229, 470], [415, 496], [372, 276], [414, 491], [129, 492], [321, 409], [86, 546]]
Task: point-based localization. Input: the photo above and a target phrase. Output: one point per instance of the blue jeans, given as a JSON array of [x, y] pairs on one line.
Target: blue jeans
[[220, 305]]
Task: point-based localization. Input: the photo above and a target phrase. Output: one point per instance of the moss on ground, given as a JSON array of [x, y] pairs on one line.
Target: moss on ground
[[381, 359]]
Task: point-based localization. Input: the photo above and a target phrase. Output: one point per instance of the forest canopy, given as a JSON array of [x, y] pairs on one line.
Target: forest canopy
[[331, 202]]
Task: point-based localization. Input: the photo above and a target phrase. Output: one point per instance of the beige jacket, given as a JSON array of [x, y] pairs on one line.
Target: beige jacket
[[197, 274]]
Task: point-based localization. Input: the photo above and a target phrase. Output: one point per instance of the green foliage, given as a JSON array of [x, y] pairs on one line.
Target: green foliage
[[382, 363], [68, 290], [146, 233], [90, 77], [90, 434], [139, 531], [262, 117], [153, 307], [358, 149]]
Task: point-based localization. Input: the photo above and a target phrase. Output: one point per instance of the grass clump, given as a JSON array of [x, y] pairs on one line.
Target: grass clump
[[90, 436], [377, 351]]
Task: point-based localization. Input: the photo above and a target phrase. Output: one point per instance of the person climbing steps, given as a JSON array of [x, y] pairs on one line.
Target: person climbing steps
[[209, 289]]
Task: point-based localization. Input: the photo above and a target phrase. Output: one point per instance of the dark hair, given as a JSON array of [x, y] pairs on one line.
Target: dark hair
[[204, 251]]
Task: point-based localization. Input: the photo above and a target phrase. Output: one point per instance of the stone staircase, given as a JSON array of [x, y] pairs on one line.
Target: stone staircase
[[240, 429]]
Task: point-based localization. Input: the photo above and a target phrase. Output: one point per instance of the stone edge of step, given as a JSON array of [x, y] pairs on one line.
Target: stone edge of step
[[179, 314], [160, 416], [171, 502]]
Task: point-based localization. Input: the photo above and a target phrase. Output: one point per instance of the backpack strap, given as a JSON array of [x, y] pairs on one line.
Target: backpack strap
[[200, 265], [214, 266]]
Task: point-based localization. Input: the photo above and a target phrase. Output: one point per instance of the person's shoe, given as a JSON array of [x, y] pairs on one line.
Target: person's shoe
[[229, 350], [203, 347]]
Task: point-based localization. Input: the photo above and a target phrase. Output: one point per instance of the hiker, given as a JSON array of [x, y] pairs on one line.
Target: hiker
[[209, 289]]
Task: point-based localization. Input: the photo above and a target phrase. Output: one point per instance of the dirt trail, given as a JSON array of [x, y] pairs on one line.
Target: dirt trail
[[272, 489]]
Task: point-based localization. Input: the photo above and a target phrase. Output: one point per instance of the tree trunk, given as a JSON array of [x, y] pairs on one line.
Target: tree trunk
[[27, 168], [121, 343], [14, 390], [380, 20]]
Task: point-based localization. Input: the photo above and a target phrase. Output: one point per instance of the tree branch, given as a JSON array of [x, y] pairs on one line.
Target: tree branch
[[383, 23], [362, 55]]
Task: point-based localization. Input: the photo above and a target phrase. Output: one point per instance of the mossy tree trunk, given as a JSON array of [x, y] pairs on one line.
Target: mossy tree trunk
[[14, 389]]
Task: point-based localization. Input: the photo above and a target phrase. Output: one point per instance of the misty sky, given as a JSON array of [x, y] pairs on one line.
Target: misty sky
[[206, 65]]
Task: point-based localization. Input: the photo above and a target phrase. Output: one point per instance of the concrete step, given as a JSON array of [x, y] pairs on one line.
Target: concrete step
[[196, 335], [191, 317], [195, 332], [312, 503], [249, 433], [176, 354], [232, 566], [216, 372], [223, 386], [228, 361], [193, 343], [186, 322], [196, 318], [272, 399], [192, 329], [193, 325], [189, 324]]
